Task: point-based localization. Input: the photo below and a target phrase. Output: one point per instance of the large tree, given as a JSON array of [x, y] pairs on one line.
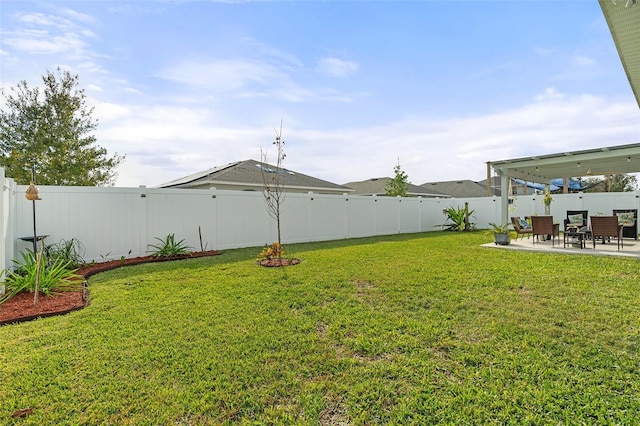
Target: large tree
[[51, 130]]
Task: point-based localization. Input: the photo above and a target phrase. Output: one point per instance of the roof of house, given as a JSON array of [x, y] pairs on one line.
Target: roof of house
[[495, 185], [457, 188], [377, 186], [249, 174]]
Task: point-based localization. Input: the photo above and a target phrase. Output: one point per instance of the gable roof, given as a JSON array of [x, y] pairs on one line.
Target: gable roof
[[377, 186], [457, 188], [248, 175]]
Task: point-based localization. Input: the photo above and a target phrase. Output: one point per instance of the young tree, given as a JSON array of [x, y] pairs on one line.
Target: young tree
[[273, 188], [51, 130], [399, 185]]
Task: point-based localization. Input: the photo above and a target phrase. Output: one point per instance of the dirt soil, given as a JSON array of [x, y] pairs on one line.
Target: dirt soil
[[21, 308]]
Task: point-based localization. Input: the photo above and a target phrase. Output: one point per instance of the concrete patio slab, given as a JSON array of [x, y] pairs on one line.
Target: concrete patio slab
[[631, 247]]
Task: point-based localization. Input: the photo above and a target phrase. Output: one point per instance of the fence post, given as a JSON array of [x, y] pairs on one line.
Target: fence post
[[214, 218], [4, 224], [143, 220]]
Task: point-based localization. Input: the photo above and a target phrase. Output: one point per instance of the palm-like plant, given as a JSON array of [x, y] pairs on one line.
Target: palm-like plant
[[170, 247], [55, 276], [456, 218]]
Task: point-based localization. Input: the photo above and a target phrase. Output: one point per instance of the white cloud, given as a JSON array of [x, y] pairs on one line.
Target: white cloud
[[95, 88], [41, 34], [337, 67], [131, 90], [273, 55], [165, 143], [584, 61], [77, 16], [549, 94], [223, 75], [459, 148], [245, 78]]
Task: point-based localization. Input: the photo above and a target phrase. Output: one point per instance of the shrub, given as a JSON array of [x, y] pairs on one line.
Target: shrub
[[455, 219], [54, 276], [70, 251], [169, 247], [271, 252]]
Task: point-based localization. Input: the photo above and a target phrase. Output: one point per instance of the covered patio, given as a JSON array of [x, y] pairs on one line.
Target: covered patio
[[544, 168]]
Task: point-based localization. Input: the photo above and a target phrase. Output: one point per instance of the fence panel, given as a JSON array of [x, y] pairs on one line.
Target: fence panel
[[294, 220], [188, 215], [114, 222], [7, 213], [409, 215], [360, 221], [385, 214], [105, 220], [242, 220], [328, 217]]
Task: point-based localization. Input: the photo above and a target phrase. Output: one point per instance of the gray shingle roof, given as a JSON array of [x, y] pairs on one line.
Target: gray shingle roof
[[457, 188], [249, 174], [377, 186]]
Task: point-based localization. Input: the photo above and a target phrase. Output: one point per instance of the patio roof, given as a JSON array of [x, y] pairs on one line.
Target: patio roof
[[590, 162], [623, 18], [545, 168]]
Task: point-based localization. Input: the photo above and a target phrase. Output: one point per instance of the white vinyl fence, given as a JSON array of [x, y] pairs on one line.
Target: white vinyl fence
[[114, 222]]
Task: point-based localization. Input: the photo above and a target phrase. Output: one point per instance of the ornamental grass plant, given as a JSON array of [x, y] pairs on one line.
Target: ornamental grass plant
[[51, 276], [406, 329]]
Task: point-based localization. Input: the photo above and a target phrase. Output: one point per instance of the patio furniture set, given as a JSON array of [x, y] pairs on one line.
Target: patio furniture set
[[578, 229]]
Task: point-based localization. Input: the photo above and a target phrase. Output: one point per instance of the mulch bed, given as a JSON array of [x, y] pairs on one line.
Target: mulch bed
[[276, 262], [20, 307]]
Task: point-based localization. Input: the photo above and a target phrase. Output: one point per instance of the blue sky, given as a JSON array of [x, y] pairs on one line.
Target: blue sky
[[440, 86]]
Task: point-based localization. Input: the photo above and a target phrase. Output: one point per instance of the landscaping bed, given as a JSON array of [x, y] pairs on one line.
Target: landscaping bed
[[21, 307]]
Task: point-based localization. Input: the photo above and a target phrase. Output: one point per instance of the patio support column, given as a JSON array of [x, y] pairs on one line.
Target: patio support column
[[489, 179], [504, 198]]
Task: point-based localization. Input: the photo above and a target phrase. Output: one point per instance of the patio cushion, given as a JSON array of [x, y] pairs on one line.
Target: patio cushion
[[626, 218], [575, 219], [524, 224]]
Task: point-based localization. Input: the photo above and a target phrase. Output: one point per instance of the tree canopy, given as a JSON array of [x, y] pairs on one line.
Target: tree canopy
[[52, 130], [613, 183], [399, 185]]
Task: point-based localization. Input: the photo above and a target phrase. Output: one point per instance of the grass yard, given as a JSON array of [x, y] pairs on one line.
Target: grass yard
[[406, 329]]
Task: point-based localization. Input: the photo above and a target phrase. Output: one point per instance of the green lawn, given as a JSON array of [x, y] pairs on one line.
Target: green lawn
[[407, 329]]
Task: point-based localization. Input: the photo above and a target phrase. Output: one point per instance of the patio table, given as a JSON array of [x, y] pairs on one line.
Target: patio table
[[574, 233]]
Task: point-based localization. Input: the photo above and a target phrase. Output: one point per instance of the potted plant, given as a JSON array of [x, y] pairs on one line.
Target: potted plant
[[501, 234], [547, 199]]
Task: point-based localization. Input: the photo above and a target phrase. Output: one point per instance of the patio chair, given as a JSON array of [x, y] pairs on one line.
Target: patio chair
[[606, 227], [576, 219], [629, 219], [521, 226], [543, 225]]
